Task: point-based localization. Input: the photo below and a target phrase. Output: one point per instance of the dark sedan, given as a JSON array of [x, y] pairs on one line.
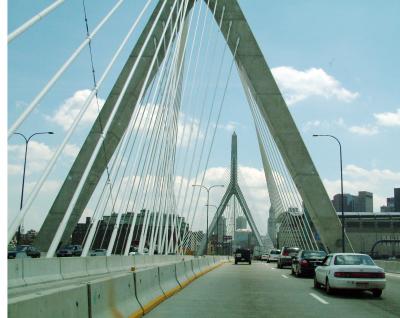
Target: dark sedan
[[306, 261], [24, 251], [69, 250]]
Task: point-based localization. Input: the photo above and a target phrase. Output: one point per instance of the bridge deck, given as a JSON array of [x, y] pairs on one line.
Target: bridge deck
[[261, 290]]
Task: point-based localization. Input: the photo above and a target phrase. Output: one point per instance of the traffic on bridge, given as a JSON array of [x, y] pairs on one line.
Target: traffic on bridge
[[158, 166]]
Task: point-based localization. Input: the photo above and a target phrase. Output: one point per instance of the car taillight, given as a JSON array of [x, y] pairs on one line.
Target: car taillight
[[285, 253], [303, 262], [359, 275]]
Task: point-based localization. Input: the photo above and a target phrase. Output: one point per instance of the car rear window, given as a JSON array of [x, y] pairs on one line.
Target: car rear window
[[275, 252], [311, 254], [292, 250], [353, 260]]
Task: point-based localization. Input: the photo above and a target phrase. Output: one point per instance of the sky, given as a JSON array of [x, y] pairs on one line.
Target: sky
[[335, 62]]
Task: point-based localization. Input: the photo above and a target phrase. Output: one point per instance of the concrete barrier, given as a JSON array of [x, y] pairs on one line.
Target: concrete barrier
[[180, 271], [96, 265], [128, 262], [139, 261], [15, 273], [41, 270], [113, 297], [168, 281], [67, 301], [389, 266], [148, 290], [203, 265], [114, 263], [72, 267], [195, 267], [189, 270]]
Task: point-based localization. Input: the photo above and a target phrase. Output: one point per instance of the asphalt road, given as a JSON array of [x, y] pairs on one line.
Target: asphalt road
[[262, 290]]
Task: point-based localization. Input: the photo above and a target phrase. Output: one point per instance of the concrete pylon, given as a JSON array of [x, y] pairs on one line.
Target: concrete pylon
[[256, 77], [232, 189], [116, 131]]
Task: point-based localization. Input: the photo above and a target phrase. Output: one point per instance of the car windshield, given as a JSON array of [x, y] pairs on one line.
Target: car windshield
[[275, 252], [353, 260], [314, 254], [67, 247], [100, 250]]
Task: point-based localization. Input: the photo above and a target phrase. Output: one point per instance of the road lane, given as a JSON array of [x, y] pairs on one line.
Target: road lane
[[260, 290]]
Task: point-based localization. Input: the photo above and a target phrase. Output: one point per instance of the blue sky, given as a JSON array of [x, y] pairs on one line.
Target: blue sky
[[336, 63]]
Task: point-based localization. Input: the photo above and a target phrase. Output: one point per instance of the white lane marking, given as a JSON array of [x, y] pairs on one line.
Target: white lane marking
[[393, 275], [284, 276], [319, 299]]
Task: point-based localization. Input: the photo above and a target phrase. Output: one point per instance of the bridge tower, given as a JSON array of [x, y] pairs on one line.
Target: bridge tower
[[233, 189]]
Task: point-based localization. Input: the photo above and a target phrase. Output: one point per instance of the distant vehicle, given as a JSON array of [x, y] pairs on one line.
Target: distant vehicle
[[98, 252], [350, 271], [69, 250], [243, 255], [23, 251], [273, 255], [264, 257], [286, 255], [306, 261]]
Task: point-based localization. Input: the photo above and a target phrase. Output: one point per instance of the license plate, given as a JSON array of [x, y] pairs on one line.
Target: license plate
[[362, 284], [238, 255]]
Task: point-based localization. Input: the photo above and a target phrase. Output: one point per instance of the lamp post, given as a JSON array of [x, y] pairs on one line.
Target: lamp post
[[208, 201], [23, 174], [341, 184]]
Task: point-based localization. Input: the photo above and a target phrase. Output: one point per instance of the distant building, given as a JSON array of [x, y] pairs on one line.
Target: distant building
[[397, 199], [389, 207], [363, 202], [241, 223]]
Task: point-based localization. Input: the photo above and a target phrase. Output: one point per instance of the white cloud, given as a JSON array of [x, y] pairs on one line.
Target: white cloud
[[37, 157], [14, 169], [67, 112], [188, 131], [364, 130], [299, 85], [71, 150], [388, 118]]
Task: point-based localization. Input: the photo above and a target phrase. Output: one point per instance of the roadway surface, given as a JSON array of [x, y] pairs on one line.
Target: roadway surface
[[262, 290]]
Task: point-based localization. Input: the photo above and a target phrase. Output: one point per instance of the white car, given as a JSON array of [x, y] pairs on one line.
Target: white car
[[273, 255], [264, 257], [350, 271]]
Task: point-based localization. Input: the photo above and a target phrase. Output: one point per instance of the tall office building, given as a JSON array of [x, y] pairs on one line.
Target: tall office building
[[365, 202], [397, 199]]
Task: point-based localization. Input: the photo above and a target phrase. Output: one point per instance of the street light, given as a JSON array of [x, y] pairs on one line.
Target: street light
[[23, 174], [341, 183], [208, 201]]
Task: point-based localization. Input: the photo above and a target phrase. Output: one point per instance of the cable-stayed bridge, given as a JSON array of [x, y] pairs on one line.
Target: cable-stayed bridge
[[149, 144]]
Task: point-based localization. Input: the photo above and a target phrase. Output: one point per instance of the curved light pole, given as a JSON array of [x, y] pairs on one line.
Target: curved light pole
[[23, 174], [341, 184], [208, 201]]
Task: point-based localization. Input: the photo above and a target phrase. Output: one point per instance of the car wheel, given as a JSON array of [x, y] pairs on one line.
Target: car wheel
[[316, 284], [328, 288], [235, 262], [267, 260], [249, 262], [377, 292]]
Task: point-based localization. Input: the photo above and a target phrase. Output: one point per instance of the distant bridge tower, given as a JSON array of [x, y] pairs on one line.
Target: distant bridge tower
[[232, 189]]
